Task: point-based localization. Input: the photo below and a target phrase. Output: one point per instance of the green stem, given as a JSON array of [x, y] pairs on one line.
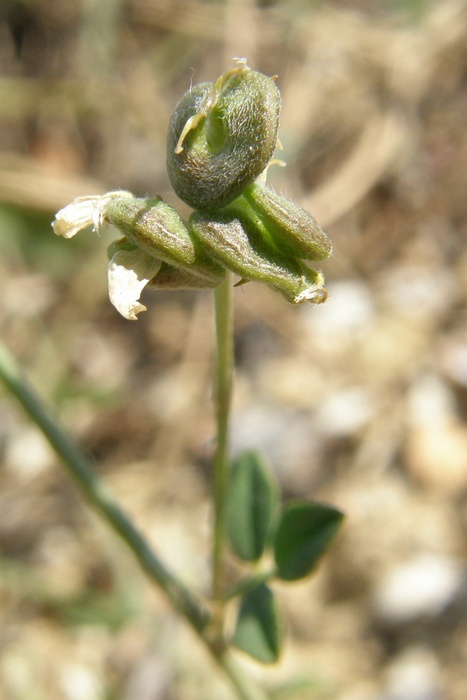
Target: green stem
[[82, 472], [224, 370], [245, 687], [94, 490], [248, 583]]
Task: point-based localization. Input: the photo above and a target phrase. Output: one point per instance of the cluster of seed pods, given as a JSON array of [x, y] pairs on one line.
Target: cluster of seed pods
[[221, 140]]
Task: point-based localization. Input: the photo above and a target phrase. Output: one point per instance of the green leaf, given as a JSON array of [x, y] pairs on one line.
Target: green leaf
[[259, 630], [304, 534], [252, 507]]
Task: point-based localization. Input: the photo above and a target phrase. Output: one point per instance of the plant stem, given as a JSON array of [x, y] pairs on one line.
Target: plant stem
[[248, 583], [82, 472], [246, 688], [94, 490], [224, 371]]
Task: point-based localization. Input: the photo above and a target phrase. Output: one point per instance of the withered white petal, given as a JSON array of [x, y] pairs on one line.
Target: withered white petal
[[315, 293], [129, 273], [84, 212]]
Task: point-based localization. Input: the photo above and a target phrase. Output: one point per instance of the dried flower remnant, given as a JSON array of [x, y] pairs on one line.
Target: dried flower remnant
[[84, 212]]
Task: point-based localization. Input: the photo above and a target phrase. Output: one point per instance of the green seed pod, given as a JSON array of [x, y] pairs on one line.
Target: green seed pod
[[222, 136], [154, 226], [157, 228], [170, 277], [292, 228], [240, 246]]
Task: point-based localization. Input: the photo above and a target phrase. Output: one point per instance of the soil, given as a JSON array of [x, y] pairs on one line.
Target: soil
[[360, 402]]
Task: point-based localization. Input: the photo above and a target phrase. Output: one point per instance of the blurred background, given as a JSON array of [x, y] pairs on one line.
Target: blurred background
[[360, 402]]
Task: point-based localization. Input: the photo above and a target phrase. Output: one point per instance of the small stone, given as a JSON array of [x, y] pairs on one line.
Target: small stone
[[422, 586]]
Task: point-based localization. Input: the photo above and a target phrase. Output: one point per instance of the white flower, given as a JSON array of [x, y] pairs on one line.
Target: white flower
[[84, 212], [129, 273]]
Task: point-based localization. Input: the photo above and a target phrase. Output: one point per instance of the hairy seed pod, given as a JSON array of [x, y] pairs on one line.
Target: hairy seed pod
[[292, 228], [241, 247], [154, 226], [170, 277], [222, 136]]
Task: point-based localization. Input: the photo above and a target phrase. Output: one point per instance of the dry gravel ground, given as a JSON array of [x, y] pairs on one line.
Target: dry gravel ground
[[360, 402]]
